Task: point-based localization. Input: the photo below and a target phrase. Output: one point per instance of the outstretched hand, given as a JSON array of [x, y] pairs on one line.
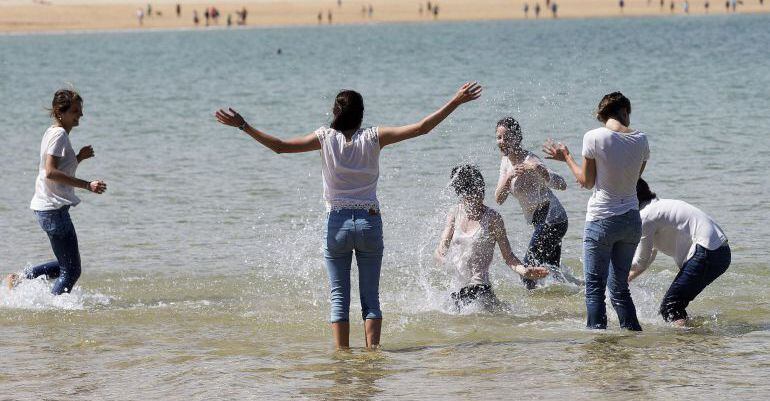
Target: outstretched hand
[[555, 150], [535, 272], [230, 117], [86, 152], [97, 187], [468, 92]]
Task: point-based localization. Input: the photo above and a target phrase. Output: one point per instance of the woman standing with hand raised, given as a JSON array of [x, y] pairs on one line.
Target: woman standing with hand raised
[[614, 157], [350, 171], [55, 193]]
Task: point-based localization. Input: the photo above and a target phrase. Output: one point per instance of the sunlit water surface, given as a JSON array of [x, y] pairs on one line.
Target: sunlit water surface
[[203, 277]]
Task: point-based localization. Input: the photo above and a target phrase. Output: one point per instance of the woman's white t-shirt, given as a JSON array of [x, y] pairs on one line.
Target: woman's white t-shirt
[[50, 195], [533, 192], [472, 253], [350, 169], [619, 159]]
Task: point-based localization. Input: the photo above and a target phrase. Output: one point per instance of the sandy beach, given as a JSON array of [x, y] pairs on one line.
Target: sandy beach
[[76, 15]]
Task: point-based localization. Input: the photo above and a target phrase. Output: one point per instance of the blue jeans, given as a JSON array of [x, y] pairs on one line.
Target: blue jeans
[[545, 245], [64, 242], [608, 250], [349, 230], [698, 272]]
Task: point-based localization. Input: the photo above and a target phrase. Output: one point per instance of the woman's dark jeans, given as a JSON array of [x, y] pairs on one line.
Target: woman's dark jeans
[[545, 245], [703, 268], [64, 242]]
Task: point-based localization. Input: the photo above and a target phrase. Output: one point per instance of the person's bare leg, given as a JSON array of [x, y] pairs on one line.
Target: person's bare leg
[[341, 333], [372, 329]]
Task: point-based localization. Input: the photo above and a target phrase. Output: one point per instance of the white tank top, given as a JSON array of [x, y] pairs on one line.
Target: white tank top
[[350, 169], [472, 252]]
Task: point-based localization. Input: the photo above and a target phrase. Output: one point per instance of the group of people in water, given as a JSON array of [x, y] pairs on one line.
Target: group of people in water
[[626, 224]]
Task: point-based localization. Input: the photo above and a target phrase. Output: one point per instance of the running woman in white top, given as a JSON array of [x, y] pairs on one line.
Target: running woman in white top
[[468, 241], [55, 194], [695, 241], [523, 175], [614, 157], [350, 170]]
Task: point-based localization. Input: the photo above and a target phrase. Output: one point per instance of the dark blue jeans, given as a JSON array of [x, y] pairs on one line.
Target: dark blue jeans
[[350, 230], [64, 242], [608, 250], [545, 245], [697, 273]]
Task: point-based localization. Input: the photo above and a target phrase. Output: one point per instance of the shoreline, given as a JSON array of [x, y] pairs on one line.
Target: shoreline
[[82, 16]]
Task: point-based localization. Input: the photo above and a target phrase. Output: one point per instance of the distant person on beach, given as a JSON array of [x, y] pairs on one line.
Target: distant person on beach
[[55, 194], [672, 6], [419, 9], [196, 20], [695, 241], [244, 15], [686, 7], [229, 19], [371, 10], [706, 6], [526, 10], [429, 7], [140, 16], [523, 175], [547, 3], [320, 17], [350, 172], [614, 156], [468, 241], [207, 15], [662, 4], [554, 7], [178, 10], [149, 10], [537, 10], [622, 4], [435, 11]]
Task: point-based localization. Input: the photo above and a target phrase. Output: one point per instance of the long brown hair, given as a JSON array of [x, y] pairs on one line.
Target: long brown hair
[[348, 110]]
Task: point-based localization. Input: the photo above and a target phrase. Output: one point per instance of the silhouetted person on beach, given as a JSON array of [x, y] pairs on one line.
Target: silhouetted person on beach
[[686, 7], [526, 10], [371, 10], [554, 7], [537, 10], [662, 4], [547, 3], [435, 11], [207, 16], [329, 16], [178, 10], [229, 19], [140, 16], [196, 20], [244, 14], [672, 6], [706, 6], [621, 4], [430, 7], [149, 10], [320, 17]]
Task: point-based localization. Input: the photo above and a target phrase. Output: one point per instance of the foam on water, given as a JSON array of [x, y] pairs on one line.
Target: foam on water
[[36, 295]]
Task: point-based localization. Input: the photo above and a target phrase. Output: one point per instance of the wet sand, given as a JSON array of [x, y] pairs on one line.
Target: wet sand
[[78, 15]]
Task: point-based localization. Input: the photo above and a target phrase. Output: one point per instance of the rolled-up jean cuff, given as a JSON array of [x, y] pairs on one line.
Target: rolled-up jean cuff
[[339, 320], [372, 314]]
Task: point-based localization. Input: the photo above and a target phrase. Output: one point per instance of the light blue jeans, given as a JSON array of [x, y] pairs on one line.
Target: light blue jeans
[[608, 250], [349, 230]]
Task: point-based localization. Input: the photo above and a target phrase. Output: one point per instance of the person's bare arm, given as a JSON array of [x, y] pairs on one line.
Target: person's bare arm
[[503, 187], [585, 174], [390, 135], [53, 173], [446, 238], [299, 144], [501, 236], [645, 254]]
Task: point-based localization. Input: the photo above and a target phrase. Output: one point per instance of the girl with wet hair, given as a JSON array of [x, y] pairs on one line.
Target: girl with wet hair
[[468, 241], [523, 175], [687, 234], [55, 193], [614, 157], [350, 171]]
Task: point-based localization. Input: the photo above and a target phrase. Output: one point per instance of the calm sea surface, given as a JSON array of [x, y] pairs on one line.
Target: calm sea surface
[[202, 271]]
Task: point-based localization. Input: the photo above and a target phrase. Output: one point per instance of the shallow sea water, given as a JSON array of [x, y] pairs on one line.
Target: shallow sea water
[[202, 272]]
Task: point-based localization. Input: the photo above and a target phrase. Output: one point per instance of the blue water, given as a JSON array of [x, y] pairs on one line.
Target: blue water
[[203, 257]]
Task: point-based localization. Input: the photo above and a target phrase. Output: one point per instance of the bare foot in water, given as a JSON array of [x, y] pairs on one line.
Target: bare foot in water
[[13, 280]]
